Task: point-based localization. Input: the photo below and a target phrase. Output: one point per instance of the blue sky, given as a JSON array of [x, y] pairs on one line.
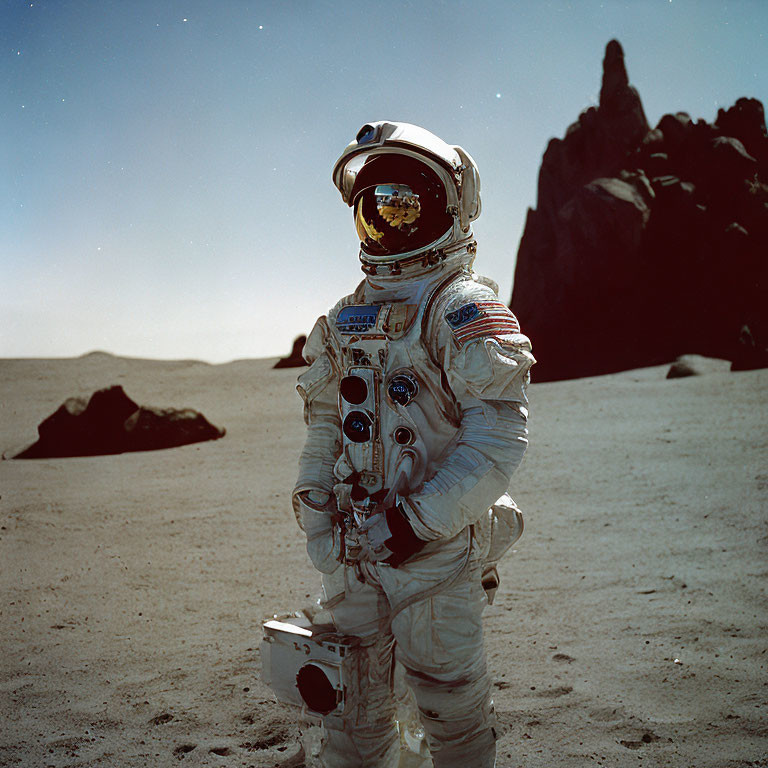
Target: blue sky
[[165, 188]]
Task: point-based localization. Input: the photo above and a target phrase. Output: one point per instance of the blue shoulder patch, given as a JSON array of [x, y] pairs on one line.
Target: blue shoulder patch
[[357, 318], [462, 315]]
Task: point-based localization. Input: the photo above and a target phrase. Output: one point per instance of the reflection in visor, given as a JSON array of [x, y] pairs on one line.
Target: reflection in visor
[[400, 205], [366, 231], [389, 218], [394, 205], [397, 204]]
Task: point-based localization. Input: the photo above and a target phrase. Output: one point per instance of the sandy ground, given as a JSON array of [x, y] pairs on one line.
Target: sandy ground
[[630, 629]]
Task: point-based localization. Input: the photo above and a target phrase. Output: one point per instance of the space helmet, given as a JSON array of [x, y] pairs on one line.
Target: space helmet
[[413, 195]]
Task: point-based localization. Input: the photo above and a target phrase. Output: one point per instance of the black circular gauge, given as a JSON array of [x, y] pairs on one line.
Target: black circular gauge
[[402, 388], [403, 436], [357, 427], [353, 389]]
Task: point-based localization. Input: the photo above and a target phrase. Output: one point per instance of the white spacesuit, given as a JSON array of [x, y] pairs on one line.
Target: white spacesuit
[[416, 409]]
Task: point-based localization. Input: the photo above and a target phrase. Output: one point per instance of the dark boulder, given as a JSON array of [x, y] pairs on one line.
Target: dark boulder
[[110, 422], [150, 428], [745, 121], [646, 244], [681, 370], [294, 360], [696, 365]]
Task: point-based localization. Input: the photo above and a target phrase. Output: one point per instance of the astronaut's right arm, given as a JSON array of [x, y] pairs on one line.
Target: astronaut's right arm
[[313, 500]]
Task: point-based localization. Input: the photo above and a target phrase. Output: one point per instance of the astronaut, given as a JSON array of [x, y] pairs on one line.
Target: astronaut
[[415, 401]]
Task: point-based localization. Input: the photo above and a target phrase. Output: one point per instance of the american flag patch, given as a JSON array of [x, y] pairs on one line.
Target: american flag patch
[[481, 318]]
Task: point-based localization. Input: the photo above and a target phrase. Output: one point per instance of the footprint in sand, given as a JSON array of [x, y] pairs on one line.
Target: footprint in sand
[[552, 693], [221, 751], [164, 717], [646, 738], [183, 749]]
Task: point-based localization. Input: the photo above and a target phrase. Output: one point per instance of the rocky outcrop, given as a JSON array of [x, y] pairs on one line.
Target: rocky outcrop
[[696, 365], [294, 360], [647, 243], [110, 422]]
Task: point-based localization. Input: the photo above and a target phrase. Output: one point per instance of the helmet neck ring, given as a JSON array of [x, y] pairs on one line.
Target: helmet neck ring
[[420, 262]]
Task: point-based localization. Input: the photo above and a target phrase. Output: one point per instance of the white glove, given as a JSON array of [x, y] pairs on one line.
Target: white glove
[[315, 510]]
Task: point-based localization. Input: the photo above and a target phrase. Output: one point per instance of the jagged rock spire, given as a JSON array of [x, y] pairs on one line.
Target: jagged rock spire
[[619, 101], [597, 144], [615, 79], [638, 235]]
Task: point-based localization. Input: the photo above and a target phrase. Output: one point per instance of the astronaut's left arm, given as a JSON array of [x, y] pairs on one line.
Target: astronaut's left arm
[[488, 376]]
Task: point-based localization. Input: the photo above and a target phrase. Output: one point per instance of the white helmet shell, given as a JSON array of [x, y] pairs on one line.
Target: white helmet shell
[[453, 165]]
